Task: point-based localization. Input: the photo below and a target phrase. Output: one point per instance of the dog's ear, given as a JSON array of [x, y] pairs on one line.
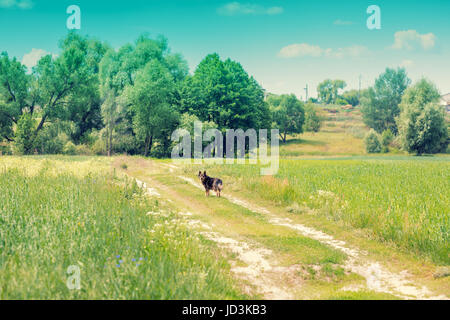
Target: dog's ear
[[199, 173], [204, 172]]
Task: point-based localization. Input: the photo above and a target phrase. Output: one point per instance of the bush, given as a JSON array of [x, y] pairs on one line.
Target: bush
[[312, 120], [386, 139], [421, 123], [83, 150], [372, 142], [24, 141], [341, 102], [5, 150], [49, 141], [70, 148], [125, 143]]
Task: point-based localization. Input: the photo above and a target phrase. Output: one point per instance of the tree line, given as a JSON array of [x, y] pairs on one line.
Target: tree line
[[409, 114], [94, 99], [397, 111]]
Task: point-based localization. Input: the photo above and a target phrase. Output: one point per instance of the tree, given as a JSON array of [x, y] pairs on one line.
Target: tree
[[312, 120], [288, 114], [351, 97], [386, 138], [222, 92], [110, 111], [24, 141], [46, 93], [118, 72], [150, 99], [372, 142], [328, 90], [83, 104], [57, 79], [14, 95], [421, 123], [381, 106]]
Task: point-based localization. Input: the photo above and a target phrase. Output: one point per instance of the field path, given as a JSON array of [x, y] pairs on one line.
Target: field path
[[236, 224], [260, 268]]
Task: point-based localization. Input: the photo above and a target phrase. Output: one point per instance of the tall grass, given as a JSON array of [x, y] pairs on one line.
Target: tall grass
[[48, 223], [405, 201]]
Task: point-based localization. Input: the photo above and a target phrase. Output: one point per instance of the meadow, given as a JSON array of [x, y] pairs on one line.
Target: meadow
[[77, 212], [341, 134], [403, 200]]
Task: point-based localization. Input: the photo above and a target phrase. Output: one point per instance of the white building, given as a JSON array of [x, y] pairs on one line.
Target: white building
[[445, 101]]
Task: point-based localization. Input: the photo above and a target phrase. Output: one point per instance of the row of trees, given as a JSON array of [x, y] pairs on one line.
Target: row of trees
[[410, 112], [291, 116], [130, 100], [328, 92]]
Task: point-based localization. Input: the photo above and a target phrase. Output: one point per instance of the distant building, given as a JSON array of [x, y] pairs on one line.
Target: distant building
[[445, 101]]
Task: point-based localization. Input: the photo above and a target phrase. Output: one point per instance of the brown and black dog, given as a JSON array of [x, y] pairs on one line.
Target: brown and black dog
[[210, 183]]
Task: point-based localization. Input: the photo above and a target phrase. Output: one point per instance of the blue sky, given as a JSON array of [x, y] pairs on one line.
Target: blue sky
[[284, 44]]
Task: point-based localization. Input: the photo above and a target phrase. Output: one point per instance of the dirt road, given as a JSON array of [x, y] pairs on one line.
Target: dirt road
[[275, 256]]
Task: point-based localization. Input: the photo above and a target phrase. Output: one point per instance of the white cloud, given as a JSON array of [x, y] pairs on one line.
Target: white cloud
[[340, 22], [307, 50], [352, 51], [411, 39], [300, 50], [31, 59], [237, 8], [21, 4], [406, 63]]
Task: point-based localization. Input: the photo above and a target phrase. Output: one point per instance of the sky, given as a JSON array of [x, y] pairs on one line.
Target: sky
[[284, 44]]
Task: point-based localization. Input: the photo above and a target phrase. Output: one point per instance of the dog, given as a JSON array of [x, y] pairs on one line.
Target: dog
[[210, 183]]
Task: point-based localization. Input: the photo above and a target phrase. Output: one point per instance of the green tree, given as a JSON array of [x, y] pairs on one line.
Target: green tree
[[222, 92], [421, 123], [150, 98], [372, 142], [352, 97], [381, 105], [83, 104], [14, 95], [288, 114], [110, 111], [58, 79], [312, 120], [118, 72], [25, 134], [386, 138], [328, 90]]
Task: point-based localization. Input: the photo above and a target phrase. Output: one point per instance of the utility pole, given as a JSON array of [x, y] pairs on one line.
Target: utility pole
[[359, 91], [306, 90]]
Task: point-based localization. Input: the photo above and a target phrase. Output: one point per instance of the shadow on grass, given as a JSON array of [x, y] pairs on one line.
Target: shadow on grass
[[303, 141]]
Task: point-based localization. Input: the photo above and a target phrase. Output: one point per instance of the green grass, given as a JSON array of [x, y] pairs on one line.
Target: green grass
[[406, 201], [49, 222]]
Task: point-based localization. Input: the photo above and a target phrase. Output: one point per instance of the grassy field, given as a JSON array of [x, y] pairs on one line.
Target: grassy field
[[405, 201], [76, 211], [341, 134], [60, 211]]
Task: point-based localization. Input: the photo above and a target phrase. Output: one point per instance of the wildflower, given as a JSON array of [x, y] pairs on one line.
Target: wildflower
[[118, 266], [118, 256], [134, 260], [141, 258], [120, 261]]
